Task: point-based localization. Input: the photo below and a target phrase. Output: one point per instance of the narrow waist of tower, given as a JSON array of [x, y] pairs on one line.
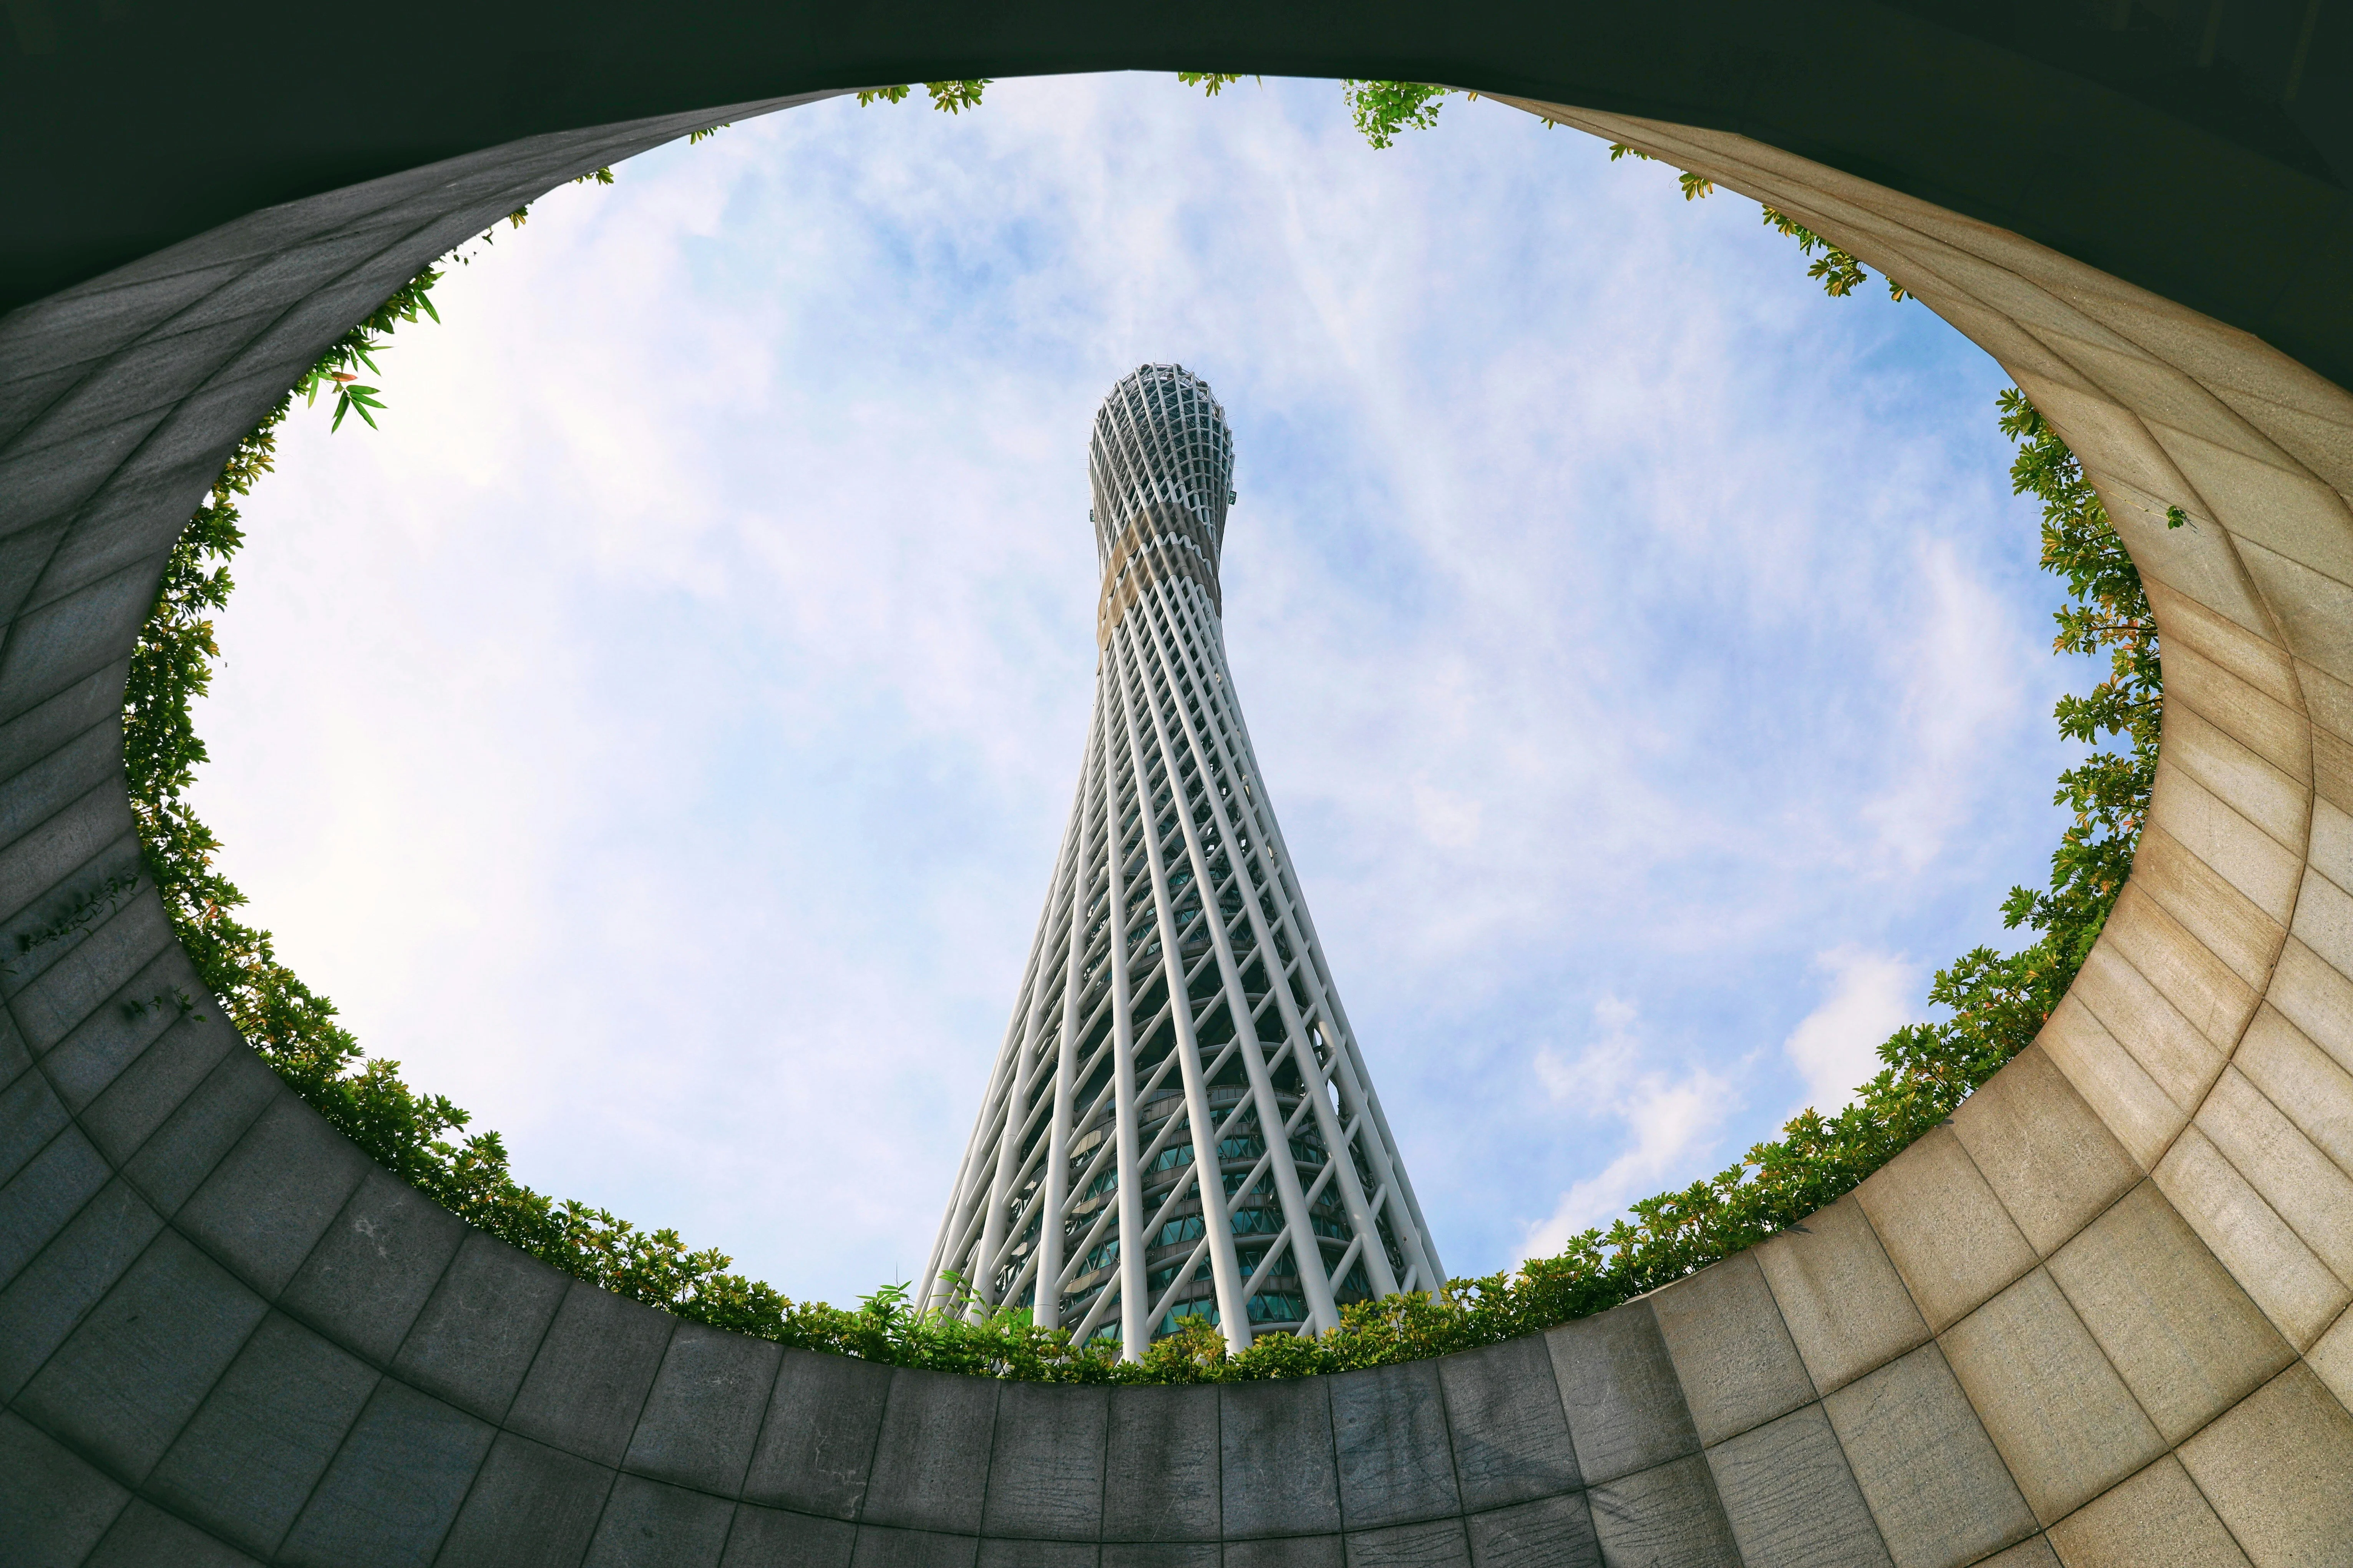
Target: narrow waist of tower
[[1161, 543]]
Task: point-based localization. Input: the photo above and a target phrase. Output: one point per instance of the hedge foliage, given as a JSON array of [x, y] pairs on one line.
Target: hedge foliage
[[1995, 1001]]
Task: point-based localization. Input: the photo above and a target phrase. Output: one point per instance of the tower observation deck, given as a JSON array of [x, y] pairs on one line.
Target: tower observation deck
[[1177, 1015]]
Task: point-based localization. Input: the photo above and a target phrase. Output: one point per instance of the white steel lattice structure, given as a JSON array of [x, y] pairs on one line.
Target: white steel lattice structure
[[1081, 1193]]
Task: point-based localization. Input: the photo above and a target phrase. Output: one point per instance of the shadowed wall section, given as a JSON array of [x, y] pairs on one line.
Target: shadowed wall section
[[2094, 1321]]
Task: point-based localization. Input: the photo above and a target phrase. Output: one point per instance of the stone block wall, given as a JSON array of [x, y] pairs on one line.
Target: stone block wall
[[2097, 1321]]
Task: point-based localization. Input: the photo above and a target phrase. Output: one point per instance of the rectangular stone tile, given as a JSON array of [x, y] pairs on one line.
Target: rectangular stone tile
[[101, 1048], [72, 740], [140, 1101], [2185, 1339], [1298, 1495], [140, 386], [1944, 1229], [2303, 1080], [2332, 768], [375, 1268], [2330, 849], [1733, 1354], [127, 1380], [94, 836], [2326, 699], [71, 750], [530, 1506], [268, 1202], [880, 1546], [2212, 913], [1791, 1498], [1845, 1306], [16, 1060], [1286, 1551], [2182, 1061], [2062, 1418], [2274, 1467], [392, 1493], [1666, 1514], [2186, 419], [68, 1277], [2323, 922], [1618, 1385], [60, 877], [2206, 747], [34, 739], [1161, 1475], [1045, 1472], [2331, 1356], [24, 396], [2303, 1185], [816, 1445], [39, 1199], [771, 1538], [132, 521], [2294, 1288], [245, 1463], [2261, 493], [2314, 439], [2196, 981], [2309, 604], [1434, 1543], [2032, 1552], [1037, 1553], [650, 1525], [2046, 1156], [144, 1535], [2232, 649], [1931, 1475], [30, 1115], [589, 1380], [1161, 1554], [2119, 1090], [86, 971], [1510, 1433], [56, 1505], [2310, 993], [473, 1342], [2155, 1519], [1397, 1465], [1550, 1532], [190, 1144], [76, 941], [931, 1462], [703, 1414]]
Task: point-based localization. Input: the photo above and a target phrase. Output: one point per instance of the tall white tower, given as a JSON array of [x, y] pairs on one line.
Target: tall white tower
[[1176, 1017]]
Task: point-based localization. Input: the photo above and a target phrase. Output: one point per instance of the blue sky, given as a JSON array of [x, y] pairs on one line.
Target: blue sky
[[657, 735]]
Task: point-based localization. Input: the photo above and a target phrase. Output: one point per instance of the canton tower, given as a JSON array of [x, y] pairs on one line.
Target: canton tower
[[1176, 1017]]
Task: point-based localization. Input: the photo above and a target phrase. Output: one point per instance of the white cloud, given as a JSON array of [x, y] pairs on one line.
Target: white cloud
[[1963, 686], [1835, 1047], [1669, 1119]]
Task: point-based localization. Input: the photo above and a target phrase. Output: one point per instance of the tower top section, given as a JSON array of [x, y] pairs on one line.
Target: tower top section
[[1161, 466]]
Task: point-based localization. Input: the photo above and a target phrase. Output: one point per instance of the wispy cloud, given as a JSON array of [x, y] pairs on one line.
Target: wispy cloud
[[1669, 1120], [1835, 1047]]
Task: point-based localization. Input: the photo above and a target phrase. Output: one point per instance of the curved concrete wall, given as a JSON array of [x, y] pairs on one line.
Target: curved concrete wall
[[2096, 1320]]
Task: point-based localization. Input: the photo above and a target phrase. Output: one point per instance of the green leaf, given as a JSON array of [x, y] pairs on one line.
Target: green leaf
[[1211, 83], [956, 96], [1384, 110]]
